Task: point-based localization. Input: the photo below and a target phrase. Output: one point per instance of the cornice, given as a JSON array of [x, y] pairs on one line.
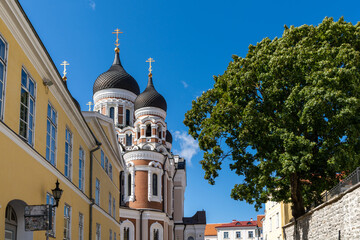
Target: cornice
[[150, 111], [144, 155], [120, 94]]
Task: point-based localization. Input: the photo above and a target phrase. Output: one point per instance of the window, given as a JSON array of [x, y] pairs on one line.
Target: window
[[67, 222], [68, 153], [270, 224], [128, 139], [109, 209], [155, 184], [127, 120], [148, 130], [98, 231], [81, 169], [126, 233], [97, 192], [114, 235], [50, 200], [81, 226], [277, 220], [226, 235], [110, 235], [102, 159], [156, 234], [27, 108], [51, 129], [129, 184], [114, 212], [250, 234], [159, 132], [3, 63], [238, 234], [106, 165], [110, 171], [112, 113]]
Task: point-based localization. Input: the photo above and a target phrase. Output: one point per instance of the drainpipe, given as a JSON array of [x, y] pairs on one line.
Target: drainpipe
[[141, 213], [91, 188], [184, 231]]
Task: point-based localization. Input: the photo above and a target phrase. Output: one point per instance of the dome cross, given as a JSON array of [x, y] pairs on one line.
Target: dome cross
[[117, 31], [64, 63], [150, 60]]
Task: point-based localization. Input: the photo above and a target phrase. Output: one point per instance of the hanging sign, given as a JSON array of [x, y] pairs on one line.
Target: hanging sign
[[38, 217]]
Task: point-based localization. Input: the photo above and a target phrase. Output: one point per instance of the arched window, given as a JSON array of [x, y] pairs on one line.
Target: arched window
[[159, 132], [148, 130], [126, 233], [155, 184], [127, 230], [129, 140], [127, 115], [190, 238], [129, 184], [112, 113]]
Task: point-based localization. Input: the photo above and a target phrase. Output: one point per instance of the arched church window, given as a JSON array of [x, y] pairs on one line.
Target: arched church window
[[127, 115], [159, 131], [129, 140], [155, 184], [148, 130], [129, 184], [190, 238], [112, 113]]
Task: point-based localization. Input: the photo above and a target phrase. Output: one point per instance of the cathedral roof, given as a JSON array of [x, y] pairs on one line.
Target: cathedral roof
[[150, 98], [116, 77], [168, 137]]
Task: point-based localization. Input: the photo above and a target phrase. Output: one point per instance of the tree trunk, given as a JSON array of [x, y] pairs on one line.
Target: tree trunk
[[297, 207]]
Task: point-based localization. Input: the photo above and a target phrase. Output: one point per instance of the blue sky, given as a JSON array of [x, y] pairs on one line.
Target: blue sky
[[190, 40]]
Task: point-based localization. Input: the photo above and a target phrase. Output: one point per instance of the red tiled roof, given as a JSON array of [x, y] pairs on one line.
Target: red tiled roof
[[258, 220], [210, 229], [239, 224]]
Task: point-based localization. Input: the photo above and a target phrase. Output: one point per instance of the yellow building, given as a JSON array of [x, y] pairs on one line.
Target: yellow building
[[277, 215], [44, 138]]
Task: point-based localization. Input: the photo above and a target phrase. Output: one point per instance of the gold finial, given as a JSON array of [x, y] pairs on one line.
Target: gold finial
[[150, 60], [90, 104], [64, 63], [117, 31]]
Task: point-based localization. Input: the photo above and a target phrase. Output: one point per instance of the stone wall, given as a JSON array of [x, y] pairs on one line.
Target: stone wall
[[338, 218]]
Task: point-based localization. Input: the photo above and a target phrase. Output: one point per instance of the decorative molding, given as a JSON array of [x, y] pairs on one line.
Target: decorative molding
[[144, 155], [159, 227], [158, 171], [131, 227], [114, 93], [130, 170], [150, 111]]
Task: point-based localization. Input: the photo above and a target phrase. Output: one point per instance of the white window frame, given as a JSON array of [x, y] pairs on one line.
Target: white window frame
[[51, 200], [81, 226], [227, 235], [236, 234], [159, 227], [130, 170], [110, 204], [26, 88], [68, 174], [97, 192], [49, 136], [130, 225], [98, 231], [67, 225], [4, 62], [154, 168], [251, 232], [81, 169]]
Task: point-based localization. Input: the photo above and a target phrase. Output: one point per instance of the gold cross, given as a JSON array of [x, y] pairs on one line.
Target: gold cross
[[117, 31], [89, 104], [64, 63], [150, 60]]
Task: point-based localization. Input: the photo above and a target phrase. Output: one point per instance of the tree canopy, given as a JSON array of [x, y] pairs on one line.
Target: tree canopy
[[287, 116]]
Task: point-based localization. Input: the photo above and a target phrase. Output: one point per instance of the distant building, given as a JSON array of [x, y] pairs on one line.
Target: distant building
[[235, 230], [277, 215]]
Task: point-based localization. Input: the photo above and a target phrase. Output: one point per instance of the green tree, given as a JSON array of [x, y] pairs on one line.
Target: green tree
[[287, 115]]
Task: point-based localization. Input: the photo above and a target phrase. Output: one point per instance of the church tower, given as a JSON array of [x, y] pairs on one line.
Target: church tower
[[153, 182]]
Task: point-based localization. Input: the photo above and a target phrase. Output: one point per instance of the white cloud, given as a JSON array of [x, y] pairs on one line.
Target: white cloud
[[188, 146], [185, 84], [92, 4]]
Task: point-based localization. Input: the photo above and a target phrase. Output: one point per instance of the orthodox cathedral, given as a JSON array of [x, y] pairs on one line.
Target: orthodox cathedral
[[106, 173]]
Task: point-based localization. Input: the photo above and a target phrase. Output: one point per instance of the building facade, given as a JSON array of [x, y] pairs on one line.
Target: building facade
[[114, 164], [236, 230], [277, 215]]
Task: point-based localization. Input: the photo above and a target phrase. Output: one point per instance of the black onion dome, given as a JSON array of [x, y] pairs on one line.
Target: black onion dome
[[116, 77], [168, 137], [150, 98]]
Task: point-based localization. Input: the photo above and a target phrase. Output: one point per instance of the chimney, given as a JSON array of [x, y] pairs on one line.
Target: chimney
[[234, 220], [251, 219]]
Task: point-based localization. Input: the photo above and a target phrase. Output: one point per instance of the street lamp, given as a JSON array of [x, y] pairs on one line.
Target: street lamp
[[57, 192]]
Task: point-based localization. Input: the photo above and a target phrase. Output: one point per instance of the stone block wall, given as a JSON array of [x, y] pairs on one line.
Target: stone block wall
[[339, 218]]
